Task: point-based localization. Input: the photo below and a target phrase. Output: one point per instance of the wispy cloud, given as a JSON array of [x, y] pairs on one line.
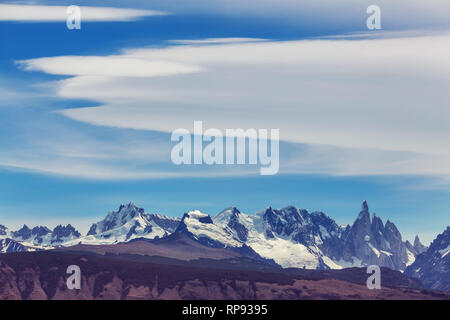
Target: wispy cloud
[[46, 13], [320, 15], [363, 107], [113, 66]]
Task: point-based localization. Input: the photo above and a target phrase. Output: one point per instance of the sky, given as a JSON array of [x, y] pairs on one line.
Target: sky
[[86, 115]]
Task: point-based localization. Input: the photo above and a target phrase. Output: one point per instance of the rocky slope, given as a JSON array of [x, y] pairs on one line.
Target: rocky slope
[[432, 267]]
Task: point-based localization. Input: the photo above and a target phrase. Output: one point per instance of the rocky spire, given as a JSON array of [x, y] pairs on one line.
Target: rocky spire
[[418, 246]]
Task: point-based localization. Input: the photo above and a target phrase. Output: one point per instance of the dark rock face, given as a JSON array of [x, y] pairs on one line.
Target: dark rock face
[[330, 234], [167, 224], [10, 245], [235, 224], [40, 231], [206, 220], [376, 243], [24, 233], [359, 234], [418, 246], [35, 235], [303, 227], [206, 240], [286, 221], [92, 230], [432, 267], [3, 230], [182, 227], [132, 230], [61, 232]]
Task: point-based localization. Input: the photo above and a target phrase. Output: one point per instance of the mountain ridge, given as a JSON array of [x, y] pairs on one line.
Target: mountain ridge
[[309, 240]]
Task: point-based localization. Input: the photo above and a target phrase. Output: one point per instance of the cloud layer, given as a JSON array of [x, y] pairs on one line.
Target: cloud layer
[[45, 13], [346, 99]]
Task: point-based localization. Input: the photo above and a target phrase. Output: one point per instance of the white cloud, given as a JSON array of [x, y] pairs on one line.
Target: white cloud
[[42, 13], [386, 98], [107, 66], [218, 40]]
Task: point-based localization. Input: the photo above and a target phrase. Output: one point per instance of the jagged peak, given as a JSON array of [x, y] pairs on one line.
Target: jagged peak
[[319, 213], [41, 228], [125, 213], [364, 213], [68, 226], [376, 220], [127, 209], [364, 206], [289, 208], [264, 211], [65, 230], [224, 216], [25, 227], [417, 241], [390, 226], [269, 208], [230, 210], [129, 205], [3, 230]]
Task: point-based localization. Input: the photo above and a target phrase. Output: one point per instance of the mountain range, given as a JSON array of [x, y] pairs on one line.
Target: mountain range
[[288, 237]]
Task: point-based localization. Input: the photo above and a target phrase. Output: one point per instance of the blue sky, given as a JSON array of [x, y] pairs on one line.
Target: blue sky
[[362, 115]]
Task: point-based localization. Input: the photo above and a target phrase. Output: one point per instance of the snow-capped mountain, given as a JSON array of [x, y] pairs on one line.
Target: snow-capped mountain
[[296, 238], [201, 227], [38, 237], [10, 245], [43, 236], [289, 236], [432, 267], [128, 223]]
